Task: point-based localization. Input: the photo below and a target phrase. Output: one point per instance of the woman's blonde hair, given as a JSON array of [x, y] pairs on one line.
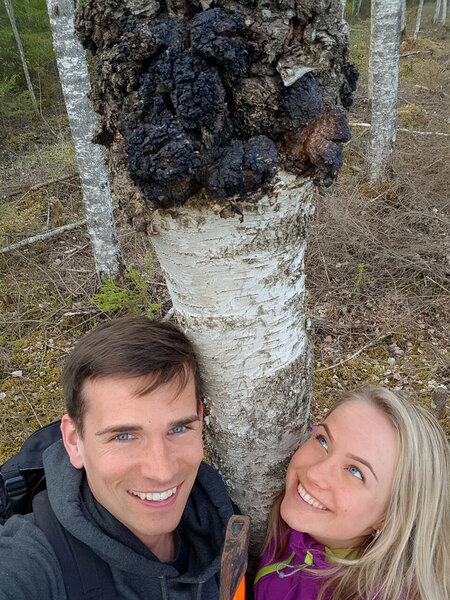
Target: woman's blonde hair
[[409, 559]]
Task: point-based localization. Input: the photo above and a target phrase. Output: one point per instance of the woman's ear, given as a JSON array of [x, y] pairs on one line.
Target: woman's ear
[[72, 442]]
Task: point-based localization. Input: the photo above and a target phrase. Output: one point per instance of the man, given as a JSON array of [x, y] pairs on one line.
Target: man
[[127, 479]]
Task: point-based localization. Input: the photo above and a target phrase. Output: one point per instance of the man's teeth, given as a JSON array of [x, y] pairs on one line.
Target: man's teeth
[[309, 499], [156, 496]]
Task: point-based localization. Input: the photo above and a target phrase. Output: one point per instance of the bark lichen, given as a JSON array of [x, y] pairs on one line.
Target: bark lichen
[[218, 95]]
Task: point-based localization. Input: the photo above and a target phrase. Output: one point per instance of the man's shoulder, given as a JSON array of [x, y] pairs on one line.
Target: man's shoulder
[[29, 566]]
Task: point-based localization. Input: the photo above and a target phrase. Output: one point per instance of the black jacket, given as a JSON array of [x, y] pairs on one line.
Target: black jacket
[[30, 569]]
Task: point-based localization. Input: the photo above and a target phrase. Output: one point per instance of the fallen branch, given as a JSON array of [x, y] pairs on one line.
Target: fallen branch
[[37, 186], [367, 126], [42, 236], [341, 362]]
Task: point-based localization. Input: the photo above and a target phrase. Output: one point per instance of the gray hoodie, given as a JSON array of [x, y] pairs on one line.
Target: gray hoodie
[[30, 569]]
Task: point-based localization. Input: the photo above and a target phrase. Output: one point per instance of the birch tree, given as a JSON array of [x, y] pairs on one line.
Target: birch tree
[[384, 51], [437, 12], [418, 20], [74, 77], [12, 20], [227, 116]]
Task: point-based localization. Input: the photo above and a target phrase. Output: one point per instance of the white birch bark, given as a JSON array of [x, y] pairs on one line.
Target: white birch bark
[[12, 20], [74, 77], [385, 42], [437, 12], [444, 13], [238, 289], [418, 20], [403, 17]]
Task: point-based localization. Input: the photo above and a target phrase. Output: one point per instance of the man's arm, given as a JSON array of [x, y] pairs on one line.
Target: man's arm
[[28, 566]]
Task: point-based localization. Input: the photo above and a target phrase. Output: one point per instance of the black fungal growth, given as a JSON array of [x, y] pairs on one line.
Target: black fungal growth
[[179, 88]]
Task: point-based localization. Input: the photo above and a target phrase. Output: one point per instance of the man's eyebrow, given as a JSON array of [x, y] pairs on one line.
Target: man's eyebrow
[[364, 462], [122, 428], [183, 421]]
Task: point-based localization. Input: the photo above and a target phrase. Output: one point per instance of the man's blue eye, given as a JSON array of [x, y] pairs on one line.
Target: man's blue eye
[[179, 429], [124, 436], [356, 472]]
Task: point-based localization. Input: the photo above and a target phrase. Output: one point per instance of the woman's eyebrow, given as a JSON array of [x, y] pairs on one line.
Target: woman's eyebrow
[[353, 456], [364, 462]]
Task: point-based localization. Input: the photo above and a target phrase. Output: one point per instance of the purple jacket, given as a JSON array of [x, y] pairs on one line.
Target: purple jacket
[[288, 583]]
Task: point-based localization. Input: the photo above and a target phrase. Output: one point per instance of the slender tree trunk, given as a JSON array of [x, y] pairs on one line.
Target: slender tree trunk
[[444, 13], [437, 12], [75, 83], [418, 20], [385, 42], [403, 19], [10, 11], [358, 8], [222, 132]]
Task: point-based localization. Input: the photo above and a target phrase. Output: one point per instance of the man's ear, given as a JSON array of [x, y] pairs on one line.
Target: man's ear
[[71, 441]]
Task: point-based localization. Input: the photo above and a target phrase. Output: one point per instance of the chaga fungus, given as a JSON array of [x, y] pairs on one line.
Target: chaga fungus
[[175, 83]]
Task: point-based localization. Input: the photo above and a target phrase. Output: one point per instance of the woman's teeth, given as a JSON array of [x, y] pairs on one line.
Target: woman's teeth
[[309, 499]]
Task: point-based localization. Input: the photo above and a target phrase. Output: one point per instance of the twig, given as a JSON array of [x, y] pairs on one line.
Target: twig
[[31, 406], [415, 131], [341, 362], [437, 283], [42, 236], [37, 186], [45, 349]]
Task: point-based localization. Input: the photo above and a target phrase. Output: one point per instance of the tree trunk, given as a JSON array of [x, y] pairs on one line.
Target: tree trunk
[[224, 117], [10, 11], [403, 19], [418, 20], [75, 83], [444, 13], [385, 42], [238, 289], [437, 12]]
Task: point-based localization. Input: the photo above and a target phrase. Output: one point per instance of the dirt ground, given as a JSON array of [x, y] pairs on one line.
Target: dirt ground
[[377, 264]]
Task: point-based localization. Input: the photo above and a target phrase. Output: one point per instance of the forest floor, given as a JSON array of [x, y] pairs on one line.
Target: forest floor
[[377, 265]]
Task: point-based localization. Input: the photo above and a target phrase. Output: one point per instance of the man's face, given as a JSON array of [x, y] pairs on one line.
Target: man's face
[[141, 454]]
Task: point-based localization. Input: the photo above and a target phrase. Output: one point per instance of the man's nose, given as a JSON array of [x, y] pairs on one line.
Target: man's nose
[[159, 463]]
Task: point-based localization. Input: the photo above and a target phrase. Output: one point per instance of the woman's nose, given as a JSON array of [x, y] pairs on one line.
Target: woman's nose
[[321, 473]]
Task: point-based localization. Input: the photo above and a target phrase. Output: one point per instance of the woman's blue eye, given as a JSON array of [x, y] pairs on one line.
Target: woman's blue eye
[[356, 472], [124, 436], [179, 429], [322, 441]]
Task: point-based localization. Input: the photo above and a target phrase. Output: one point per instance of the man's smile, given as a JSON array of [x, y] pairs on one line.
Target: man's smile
[[154, 496]]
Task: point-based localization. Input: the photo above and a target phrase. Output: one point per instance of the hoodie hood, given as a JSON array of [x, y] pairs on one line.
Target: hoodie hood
[[202, 527]]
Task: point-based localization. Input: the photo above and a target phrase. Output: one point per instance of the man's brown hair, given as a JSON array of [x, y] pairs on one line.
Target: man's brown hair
[[132, 347]]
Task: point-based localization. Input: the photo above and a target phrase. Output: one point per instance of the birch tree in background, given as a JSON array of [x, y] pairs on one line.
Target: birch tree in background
[[225, 117], [12, 20], [74, 77], [437, 12], [418, 20], [384, 51]]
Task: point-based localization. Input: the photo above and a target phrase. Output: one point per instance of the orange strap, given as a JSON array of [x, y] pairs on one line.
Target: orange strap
[[240, 592]]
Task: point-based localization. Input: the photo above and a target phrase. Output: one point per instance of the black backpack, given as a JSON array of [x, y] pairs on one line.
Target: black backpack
[[22, 490]]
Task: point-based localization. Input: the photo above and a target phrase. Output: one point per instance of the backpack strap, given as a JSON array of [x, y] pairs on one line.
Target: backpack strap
[[86, 576]]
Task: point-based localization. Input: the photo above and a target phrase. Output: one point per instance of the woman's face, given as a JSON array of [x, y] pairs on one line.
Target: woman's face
[[339, 482]]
